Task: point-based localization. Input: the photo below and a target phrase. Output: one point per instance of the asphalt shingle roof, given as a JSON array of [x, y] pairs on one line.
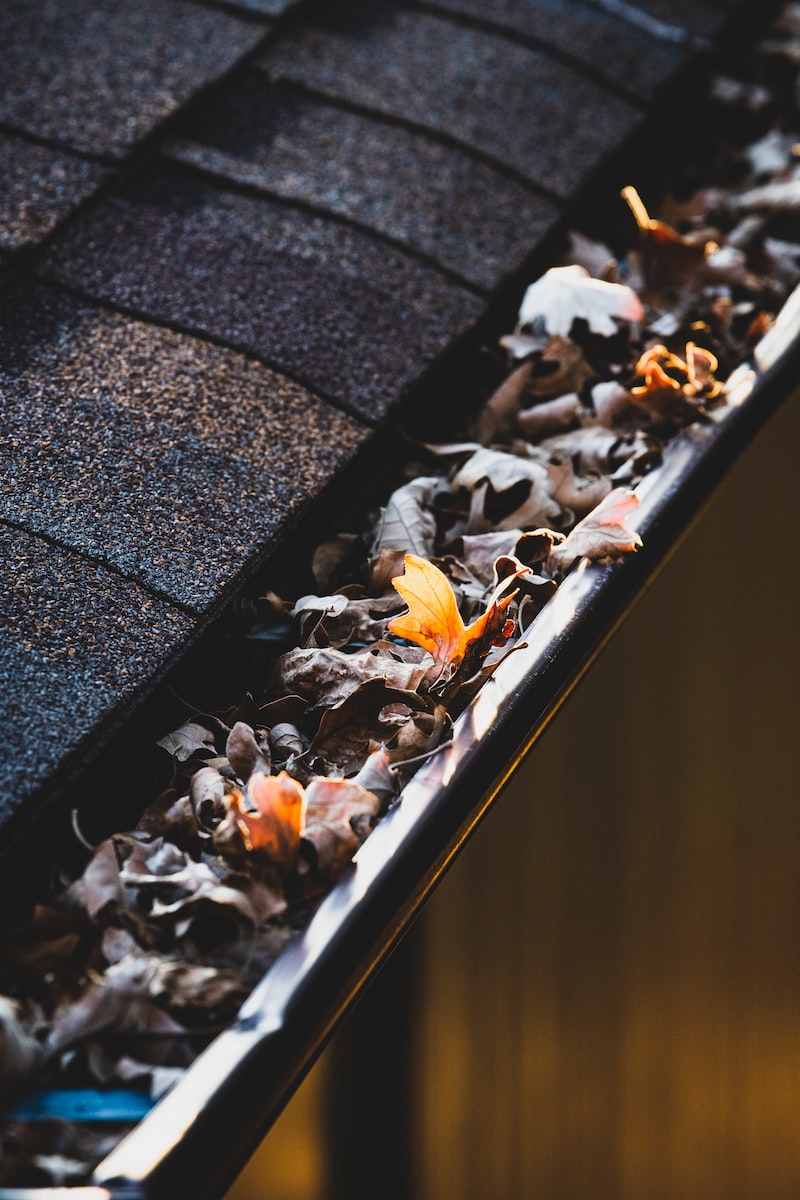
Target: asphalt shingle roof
[[327, 302], [461, 82], [97, 75], [168, 459], [196, 348], [76, 641], [41, 186], [426, 195]]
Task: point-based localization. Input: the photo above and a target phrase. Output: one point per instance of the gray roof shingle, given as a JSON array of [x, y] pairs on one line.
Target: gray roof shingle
[[76, 642], [467, 216], [607, 44], [40, 186], [97, 75], [352, 317], [169, 459], [517, 105]]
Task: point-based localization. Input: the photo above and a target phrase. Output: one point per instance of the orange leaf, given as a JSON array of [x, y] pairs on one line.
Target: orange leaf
[[433, 620], [276, 827]]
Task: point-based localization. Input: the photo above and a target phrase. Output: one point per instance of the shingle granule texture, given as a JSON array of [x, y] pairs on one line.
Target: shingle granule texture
[[40, 187], [614, 48], [545, 120], [169, 459], [96, 75], [696, 16], [76, 641], [468, 217], [656, 31], [266, 8], [347, 314]]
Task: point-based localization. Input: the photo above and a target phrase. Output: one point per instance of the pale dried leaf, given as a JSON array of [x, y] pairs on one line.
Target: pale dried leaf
[[508, 492], [603, 534], [611, 401], [575, 492], [407, 523], [551, 416], [376, 777], [327, 676], [191, 738], [498, 416], [565, 294], [184, 985], [20, 1049], [100, 883]]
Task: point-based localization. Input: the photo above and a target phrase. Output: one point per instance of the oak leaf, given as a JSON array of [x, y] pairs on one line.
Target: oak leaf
[[564, 294], [508, 491], [339, 817], [603, 534], [326, 676], [357, 725], [192, 738], [408, 522], [434, 622], [275, 826]]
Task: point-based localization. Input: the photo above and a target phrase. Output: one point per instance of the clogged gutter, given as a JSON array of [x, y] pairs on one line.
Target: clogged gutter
[[129, 970]]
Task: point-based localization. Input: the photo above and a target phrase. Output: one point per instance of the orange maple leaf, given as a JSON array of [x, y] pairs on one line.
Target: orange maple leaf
[[276, 826], [434, 622]]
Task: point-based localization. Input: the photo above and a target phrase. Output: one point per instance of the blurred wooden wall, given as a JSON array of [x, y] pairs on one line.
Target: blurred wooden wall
[[605, 990]]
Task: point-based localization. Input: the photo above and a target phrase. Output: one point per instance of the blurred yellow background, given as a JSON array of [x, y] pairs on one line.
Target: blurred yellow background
[[602, 999]]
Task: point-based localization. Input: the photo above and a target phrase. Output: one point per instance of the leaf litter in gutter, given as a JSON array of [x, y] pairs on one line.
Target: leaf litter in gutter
[[124, 973]]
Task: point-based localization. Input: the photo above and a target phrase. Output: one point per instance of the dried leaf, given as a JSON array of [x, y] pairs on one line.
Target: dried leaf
[[119, 1001], [275, 827], [552, 416], [419, 736], [508, 492], [594, 450], [339, 816], [434, 622], [207, 794], [498, 416], [603, 534], [328, 676], [565, 294], [669, 262], [192, 738], [246, 752], [184, 985], [408, 523], [562, 368], [375, 776], [611, 402], [359, 621], [352, 729], [580, 495], [594, 257], [100, 884], [674, 390], [20, 1049]]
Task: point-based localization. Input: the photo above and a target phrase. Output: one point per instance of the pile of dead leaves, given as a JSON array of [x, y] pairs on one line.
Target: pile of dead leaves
[[126, 972]]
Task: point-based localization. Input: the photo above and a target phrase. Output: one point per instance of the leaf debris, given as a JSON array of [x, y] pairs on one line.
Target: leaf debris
[[123, 974]]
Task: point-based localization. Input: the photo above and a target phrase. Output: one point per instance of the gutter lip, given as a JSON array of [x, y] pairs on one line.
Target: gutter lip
[[202, 1131]]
